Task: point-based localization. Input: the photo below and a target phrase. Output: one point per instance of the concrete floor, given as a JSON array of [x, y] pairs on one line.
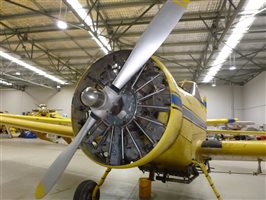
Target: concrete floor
[[24, 161]]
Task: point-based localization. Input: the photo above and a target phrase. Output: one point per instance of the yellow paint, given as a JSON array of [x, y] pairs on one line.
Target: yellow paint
[[42, 136], [216, 122], [182, 3], [40, 191], [65, 131], [65, 121], [205, 172], [235, 150], [175, 148], [236, 132], [163, 117], [101, 181]]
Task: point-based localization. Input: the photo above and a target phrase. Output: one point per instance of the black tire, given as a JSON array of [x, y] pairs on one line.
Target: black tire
[[85, 189]]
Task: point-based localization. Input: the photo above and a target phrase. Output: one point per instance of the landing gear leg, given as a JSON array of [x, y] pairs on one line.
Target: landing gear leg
[[90, 190], [205, 171], [100, 182], [259, 170], [8, 132]]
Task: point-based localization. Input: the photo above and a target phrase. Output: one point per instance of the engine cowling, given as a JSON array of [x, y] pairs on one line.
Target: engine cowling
[[143, 124]]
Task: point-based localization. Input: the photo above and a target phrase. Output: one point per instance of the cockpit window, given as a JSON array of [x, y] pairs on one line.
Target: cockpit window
[[190, 87]]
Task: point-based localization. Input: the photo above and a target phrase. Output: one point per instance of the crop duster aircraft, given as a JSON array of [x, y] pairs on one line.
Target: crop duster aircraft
[[128, 111]]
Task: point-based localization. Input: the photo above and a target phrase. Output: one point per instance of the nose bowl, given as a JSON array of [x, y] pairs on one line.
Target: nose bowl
[[130, 132]]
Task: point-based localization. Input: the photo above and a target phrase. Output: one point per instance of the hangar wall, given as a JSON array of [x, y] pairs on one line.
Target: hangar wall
[[219, 100], [16, 102], [223, 101], [245, 102], [254, 96]]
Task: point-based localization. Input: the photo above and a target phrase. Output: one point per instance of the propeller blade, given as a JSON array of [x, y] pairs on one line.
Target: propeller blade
[[59, 165], [155, 34]]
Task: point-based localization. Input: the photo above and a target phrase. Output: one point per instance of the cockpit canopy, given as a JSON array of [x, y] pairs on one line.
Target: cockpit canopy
[[190, 87]]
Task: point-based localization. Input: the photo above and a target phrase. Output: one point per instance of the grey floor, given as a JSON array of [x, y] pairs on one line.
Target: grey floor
[[24, 161]]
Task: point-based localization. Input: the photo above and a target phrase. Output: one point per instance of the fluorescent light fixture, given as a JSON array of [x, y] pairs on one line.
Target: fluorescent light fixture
[[30, 67], [18, 73], [243, 25], [3, 82], [61, 24], [213, 83], [232, 68], [80, 11], [100, 40]]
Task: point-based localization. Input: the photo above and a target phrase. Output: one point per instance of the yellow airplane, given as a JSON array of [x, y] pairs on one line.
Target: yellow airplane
[[128, 111], [41, 114], [43, 111]]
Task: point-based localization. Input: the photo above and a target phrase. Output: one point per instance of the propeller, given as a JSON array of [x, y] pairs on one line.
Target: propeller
[[102, 102], [155, 34], [59, 165]]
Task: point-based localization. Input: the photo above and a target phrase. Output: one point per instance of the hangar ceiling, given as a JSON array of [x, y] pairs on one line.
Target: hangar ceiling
[[28, 31]]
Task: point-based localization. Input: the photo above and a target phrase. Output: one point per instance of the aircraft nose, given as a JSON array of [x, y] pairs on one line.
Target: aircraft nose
[[92, 97]]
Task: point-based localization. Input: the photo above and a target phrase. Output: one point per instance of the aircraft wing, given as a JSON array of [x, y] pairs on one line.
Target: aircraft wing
[[60, 121], [236, 132], [217, 122], [232, 150], [60, 127]]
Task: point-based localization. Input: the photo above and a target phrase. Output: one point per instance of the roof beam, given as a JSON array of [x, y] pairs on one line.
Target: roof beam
[[53, 28], [172, 44], [30, 53], [27, 81], [205, 60]]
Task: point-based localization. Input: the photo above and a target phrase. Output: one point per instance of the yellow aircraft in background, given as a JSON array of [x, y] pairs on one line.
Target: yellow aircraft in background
[[40, 114], [128, 111], [43, 111]]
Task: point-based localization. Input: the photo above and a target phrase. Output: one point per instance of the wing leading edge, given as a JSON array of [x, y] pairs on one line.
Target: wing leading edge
[[232, 150], [60, 127]]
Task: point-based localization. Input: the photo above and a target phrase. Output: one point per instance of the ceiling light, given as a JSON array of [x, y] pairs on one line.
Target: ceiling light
[[243, 25], [5, 83], [61, 24], [18, 73], [232, 62], [232, 68], [95, 33], [30, 67], [213, 83]]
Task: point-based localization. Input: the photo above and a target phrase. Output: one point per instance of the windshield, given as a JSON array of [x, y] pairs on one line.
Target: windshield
[[190, 87]]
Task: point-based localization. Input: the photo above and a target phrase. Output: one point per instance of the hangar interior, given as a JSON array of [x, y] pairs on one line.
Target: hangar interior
[[46, 47]]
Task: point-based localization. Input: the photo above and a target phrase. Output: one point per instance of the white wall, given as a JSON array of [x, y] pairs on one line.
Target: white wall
[[249, 100], [255, 99], [223, 101], [17, 102], [62, 100]]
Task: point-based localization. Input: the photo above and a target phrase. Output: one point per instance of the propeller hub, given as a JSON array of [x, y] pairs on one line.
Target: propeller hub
[[92, 97], [124, 110]]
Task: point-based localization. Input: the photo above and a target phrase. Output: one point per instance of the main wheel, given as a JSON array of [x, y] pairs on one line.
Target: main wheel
[[85, 189]]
